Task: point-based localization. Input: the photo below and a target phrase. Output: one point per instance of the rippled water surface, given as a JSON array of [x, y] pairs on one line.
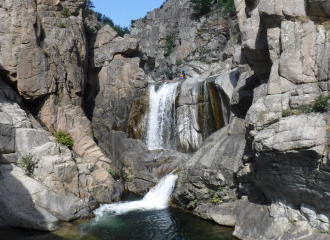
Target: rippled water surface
[[170, 224]]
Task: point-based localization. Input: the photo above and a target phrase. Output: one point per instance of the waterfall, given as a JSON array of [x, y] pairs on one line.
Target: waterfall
[[156, 199], [161, 125]]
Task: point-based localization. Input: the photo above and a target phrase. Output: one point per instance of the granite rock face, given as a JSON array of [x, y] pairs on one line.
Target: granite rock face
[[286, 153], [207, 183], [40, 56], [205, 45], [115, 81], [60, 185]]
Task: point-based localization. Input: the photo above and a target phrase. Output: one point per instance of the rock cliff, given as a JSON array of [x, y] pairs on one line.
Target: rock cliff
[[44, 62], [284, 165], [204, 45]]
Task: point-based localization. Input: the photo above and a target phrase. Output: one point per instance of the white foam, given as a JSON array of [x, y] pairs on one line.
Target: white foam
[[156, 199]]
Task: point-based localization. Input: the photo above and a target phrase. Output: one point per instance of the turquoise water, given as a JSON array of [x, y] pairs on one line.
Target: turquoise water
[[166, 224]]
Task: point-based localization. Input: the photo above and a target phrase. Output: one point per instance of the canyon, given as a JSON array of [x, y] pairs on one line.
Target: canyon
[[239, 132]]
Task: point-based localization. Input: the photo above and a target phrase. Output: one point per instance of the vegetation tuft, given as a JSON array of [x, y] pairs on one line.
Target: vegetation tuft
[[66, 12], [62, 25], [321, 104], [229, 7], [169, 45], [112, 172], [89, 29], [64, 138], [287, 113], [27, 163], [178, 62], [201, 6], [167, 74]]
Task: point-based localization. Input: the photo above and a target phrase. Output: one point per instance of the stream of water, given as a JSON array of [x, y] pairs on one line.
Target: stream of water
[[161, 125], [149, 218]]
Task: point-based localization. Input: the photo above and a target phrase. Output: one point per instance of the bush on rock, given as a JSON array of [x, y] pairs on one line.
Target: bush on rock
[[229, 7], [27, 163], [64, 138]]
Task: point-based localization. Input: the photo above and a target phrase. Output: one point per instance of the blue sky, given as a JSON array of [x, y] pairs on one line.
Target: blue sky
[[123, 11]]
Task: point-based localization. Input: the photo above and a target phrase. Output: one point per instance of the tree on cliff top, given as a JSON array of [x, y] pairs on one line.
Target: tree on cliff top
[[108, 21], [88, 8], [201, 6]]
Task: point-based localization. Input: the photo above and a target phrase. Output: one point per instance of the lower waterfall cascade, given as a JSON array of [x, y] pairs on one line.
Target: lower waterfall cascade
[[156, 199]]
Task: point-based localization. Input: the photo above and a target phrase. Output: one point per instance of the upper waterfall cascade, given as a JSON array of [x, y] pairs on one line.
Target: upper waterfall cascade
[[161, 124]]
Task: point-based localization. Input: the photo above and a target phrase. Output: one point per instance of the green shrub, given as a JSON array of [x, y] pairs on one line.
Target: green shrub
[[321, 103], [66, 12], [195, 201], [27, 163], [201, 6], [178, 62], [229, 7], [112, 172], [64, 138], [215, 199], [169, 45], [89, 29], [167, 74], [62, 25]]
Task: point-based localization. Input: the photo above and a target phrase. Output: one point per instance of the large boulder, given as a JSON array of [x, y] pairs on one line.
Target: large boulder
[[254, 221], [101, 185], [17, 198], [7, 134], [288, 162], [27, 139], [207, 183]]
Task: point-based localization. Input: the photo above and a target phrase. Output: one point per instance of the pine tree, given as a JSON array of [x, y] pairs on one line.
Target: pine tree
[[88, 8]]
